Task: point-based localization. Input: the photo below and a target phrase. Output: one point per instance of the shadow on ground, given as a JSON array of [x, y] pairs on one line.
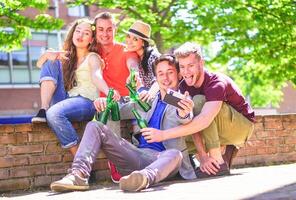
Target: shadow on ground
[[286, 192]]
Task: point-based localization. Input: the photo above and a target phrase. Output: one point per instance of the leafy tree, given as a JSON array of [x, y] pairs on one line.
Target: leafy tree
[[256, 38], [15, 28]]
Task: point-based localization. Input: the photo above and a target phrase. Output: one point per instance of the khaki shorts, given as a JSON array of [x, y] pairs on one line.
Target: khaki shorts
[[228, 127]]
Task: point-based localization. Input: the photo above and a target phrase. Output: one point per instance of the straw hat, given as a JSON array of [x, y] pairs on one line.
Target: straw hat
[[141, 30]]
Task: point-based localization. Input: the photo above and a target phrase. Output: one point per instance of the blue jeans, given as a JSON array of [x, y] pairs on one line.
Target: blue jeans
[[52, 71], [64, 109]]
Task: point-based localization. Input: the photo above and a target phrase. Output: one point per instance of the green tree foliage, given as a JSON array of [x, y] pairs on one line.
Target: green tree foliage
[[15, 28], [256, 38]]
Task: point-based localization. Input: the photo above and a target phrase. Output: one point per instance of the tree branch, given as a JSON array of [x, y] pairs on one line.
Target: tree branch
[[138, 15], [166, 11]]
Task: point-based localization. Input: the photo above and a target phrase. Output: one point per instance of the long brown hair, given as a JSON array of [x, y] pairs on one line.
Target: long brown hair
[[70, 64]]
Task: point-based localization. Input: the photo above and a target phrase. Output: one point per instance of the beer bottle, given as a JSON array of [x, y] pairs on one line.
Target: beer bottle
[[135, 97], [133, 82], [105, 114], [115, 114], [142, 123]]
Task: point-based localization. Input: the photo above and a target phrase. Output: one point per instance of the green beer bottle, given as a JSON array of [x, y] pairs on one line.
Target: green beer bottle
[[135, 97], [105, 114], [115, 114], [142, 123], [133, 82]]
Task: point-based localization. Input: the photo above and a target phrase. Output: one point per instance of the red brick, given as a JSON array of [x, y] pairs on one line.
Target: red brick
[[261, 151], [27, 171], [270, 118], [259, 159], [274, 141], [258, 118], [14, 184], [291, 157], [25, 149], [53, 148], [289, 125], [40, 127], [4, 174], [57, 168], [8, 139], [286, 149], [100, 164], [21, 138], [289, 118], [3, 150], [247, 152], [33, 160], [41, 137], [23, 128], [67, 157], [271, 150], [239, 161], [290, 140], [264, 134], [259, 126], [274, 125], [42, 181], [256, 143], [10, 161], [7, 128], [282, 133]]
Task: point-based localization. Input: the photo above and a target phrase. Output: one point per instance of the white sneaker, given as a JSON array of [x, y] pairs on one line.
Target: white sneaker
[[134, 182], [70, 182]]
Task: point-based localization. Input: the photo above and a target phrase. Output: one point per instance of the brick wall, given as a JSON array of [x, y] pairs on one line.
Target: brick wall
[[30, 155], [273, 142]]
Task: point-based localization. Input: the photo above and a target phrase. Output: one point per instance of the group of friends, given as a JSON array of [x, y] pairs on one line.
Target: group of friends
[[74, 84]]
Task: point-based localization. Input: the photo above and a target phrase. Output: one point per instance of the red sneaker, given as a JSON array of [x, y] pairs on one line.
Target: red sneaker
[[115, 175]]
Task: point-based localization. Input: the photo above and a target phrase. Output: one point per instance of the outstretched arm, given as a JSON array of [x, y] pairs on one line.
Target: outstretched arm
[[199, 122]]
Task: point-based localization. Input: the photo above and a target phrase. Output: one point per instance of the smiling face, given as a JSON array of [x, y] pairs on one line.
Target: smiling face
[[82, 35], [105, 31], [166, 76], [191, 69], [133, 43]]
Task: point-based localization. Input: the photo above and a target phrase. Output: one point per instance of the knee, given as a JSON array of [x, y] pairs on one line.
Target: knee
[[53, 114], [91, 125], [176, 154], [199, 101], [94, 127], [50, 64]]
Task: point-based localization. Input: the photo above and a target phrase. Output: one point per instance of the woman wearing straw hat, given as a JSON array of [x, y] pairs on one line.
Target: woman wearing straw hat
[[138, 40]]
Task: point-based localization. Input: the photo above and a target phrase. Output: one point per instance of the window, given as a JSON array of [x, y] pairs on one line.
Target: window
[[5, 73], [20, 72], [19, 67], [78, 11]]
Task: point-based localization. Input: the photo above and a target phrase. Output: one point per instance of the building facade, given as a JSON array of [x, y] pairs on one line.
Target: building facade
[[19, 87]]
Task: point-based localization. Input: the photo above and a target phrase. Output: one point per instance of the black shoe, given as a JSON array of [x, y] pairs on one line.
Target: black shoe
[[40, 117], [223, 170], [92, 177]]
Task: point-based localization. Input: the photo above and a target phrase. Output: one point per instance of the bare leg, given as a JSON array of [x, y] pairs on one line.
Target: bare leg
[[47, 90], [73, 150]]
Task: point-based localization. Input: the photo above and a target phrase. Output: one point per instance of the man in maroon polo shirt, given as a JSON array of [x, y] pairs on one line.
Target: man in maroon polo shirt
[[222, 119]]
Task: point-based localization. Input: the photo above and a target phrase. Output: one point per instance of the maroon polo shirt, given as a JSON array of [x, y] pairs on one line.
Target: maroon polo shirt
[[219, 87]]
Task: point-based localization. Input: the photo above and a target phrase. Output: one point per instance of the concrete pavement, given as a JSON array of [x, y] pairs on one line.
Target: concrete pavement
[[268, 183]]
